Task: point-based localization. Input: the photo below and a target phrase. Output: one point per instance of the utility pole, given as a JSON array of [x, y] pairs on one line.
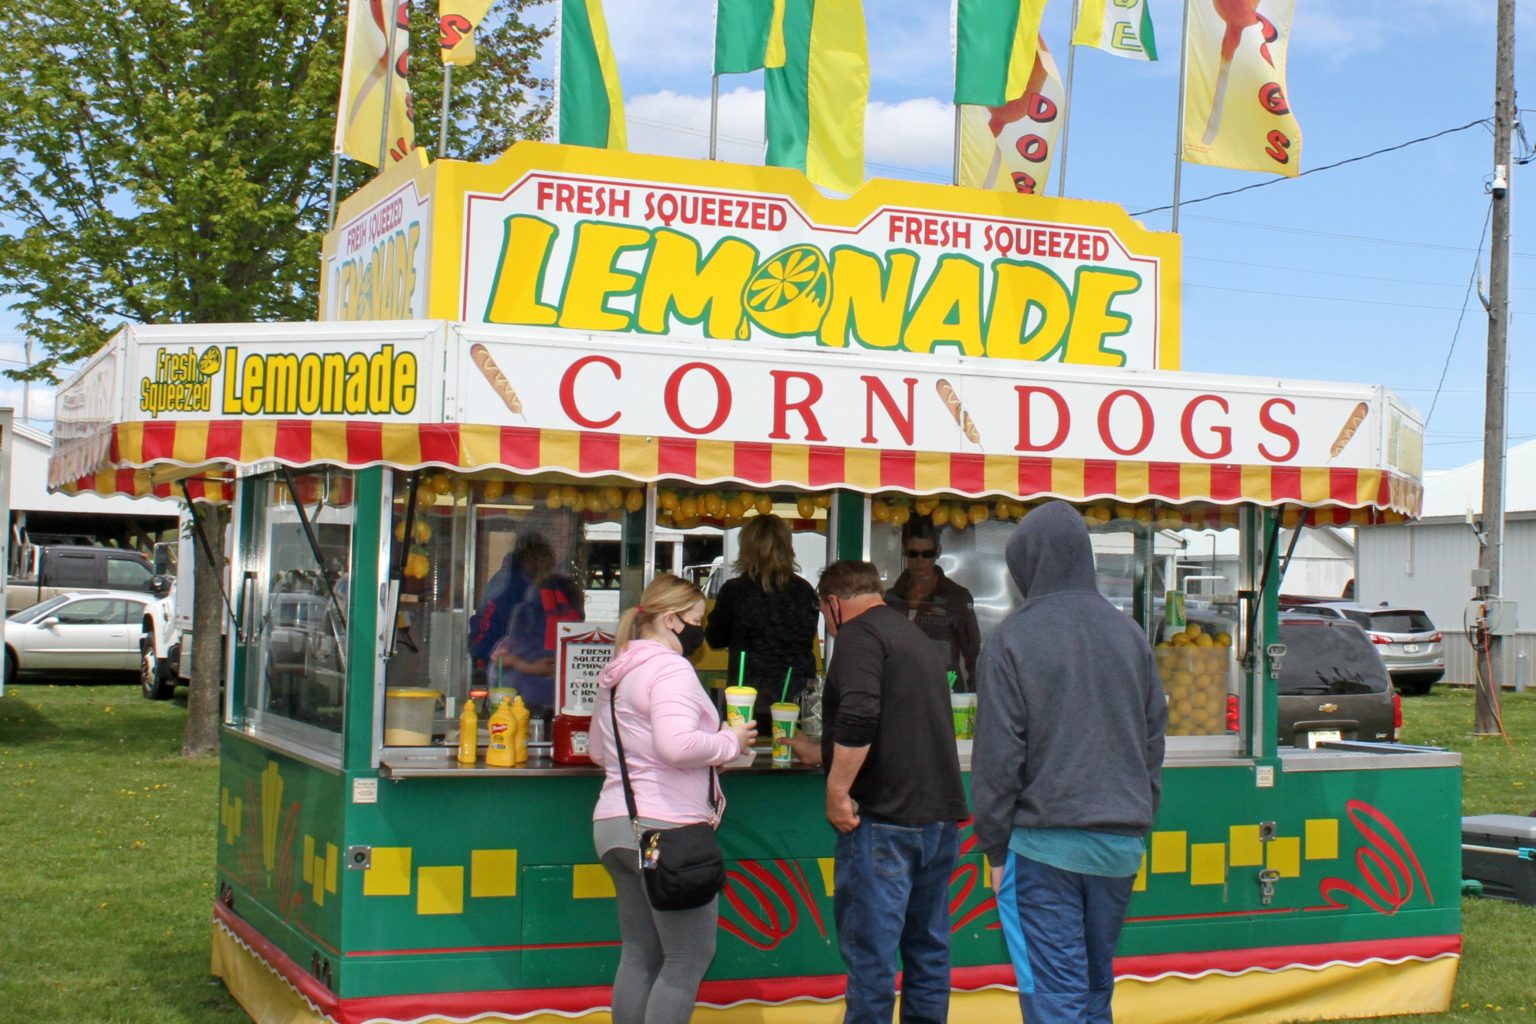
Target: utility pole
[[1495, 427]]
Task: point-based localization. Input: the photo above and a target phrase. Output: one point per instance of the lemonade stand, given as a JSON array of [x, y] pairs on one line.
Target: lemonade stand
[[631, 356]]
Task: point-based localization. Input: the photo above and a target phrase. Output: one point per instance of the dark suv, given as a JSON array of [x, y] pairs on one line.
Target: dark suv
[[1333, 685]]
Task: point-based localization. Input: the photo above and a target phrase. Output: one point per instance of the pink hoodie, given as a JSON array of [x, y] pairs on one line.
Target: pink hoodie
[[671, 736]]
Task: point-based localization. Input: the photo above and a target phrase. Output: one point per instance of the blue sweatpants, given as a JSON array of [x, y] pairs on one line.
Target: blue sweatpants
[[1071, 923]]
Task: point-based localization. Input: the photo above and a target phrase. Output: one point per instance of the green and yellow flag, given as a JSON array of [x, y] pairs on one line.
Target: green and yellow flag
[[590, 100], [1120, 27], [995, 43], [749, 34], [816, 100], [456, 24]]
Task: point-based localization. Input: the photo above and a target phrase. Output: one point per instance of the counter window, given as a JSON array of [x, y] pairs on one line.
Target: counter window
[[302, 548], [488, 570]]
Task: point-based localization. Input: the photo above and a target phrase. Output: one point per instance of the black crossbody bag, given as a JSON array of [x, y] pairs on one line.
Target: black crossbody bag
[[683, 867]]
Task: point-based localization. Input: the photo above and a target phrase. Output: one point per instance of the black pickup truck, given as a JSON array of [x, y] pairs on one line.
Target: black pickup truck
[[57, 569]]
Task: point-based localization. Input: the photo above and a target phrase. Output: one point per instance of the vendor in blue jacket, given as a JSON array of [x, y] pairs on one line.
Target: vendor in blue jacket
[[1065, 771]]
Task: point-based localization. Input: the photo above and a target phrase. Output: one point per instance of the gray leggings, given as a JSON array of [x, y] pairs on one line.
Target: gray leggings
[[665, 952]]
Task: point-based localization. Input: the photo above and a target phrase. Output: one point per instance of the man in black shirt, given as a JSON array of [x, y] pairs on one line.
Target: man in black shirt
[[894, 795]]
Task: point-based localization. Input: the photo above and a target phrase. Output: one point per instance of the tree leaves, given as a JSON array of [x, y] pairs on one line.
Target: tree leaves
[[169, 160]]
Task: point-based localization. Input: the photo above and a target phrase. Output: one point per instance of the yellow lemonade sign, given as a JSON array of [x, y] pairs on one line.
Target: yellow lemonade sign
[[599, 241]]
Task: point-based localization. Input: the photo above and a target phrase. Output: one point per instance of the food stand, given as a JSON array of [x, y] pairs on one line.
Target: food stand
[[580, 344]]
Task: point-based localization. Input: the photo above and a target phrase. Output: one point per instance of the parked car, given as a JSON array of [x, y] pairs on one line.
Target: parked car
[[1333, 685], [83, 631], [1408, 642]]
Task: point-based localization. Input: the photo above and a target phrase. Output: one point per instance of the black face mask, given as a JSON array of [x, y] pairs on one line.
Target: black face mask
[[690, 638]]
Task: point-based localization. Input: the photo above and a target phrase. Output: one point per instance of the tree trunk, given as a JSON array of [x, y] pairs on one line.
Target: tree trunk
[[208, 617]]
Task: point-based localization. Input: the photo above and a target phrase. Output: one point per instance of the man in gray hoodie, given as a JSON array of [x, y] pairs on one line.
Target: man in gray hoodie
[[1065, 770]]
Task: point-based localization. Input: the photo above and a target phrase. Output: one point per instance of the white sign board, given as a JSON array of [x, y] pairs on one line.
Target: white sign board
[[582, 650]]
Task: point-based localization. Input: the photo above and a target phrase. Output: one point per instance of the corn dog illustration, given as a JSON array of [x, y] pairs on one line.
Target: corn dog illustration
[[963, 419], [1237, 15], [1356, 417], [498, 380]]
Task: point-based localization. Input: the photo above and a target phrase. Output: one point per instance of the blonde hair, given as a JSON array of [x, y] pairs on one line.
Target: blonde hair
[[767, 552], [667, 594]]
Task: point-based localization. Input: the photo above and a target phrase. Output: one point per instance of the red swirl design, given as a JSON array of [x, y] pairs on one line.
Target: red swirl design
[[1387, 865]]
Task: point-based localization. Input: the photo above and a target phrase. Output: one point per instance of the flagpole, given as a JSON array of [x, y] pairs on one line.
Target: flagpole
[[389, 79], [330, 210], [714, 111], [1178, 149], [1066, 101], [956, 172], [442, 121]]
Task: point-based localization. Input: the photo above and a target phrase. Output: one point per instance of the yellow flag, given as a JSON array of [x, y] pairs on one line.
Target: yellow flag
[[456, 24], [1236, 113], [365, 75], [1010, 148]]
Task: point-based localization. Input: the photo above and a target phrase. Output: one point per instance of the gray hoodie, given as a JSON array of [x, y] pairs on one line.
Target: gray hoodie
[[1070, 710]]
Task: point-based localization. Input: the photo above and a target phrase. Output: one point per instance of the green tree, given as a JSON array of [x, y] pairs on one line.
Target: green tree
[[169, 161]]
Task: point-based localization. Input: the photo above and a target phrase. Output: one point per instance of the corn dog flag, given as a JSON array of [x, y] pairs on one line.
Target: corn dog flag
[[1236, 113], [994, 43], [365, 74], [589, 101], [816, 99], [456, 24], [1120, 27], [1010, 147], [749, 35]]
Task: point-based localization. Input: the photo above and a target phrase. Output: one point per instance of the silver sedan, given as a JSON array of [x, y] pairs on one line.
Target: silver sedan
[[82, 631]]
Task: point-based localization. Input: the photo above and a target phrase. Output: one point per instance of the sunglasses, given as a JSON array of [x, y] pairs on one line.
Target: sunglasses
[[922, 552]]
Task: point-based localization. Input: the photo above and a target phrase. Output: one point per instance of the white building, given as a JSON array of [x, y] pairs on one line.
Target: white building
[[1427, 564]]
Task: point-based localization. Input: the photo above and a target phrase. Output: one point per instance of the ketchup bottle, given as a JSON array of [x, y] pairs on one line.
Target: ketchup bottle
[[571, 730]]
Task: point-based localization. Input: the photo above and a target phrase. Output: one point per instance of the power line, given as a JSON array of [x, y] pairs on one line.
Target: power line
[[1477, 263], [1317, 170]]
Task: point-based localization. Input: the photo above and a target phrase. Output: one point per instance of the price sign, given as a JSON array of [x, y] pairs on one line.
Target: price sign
[[582, 649]]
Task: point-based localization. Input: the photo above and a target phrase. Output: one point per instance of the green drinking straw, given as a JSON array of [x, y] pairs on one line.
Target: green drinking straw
[[741, 668], [784, 697]]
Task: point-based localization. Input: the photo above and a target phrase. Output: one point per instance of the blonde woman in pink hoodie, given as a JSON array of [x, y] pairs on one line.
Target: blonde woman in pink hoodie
[[672, 737]]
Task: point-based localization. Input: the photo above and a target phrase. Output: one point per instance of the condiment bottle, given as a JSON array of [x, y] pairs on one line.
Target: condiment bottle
[[520, 716], [572, 736], [469, 730], [499, 752]]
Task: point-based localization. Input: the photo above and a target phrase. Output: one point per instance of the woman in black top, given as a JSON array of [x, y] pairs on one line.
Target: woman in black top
[[940, 607], [768, 614]]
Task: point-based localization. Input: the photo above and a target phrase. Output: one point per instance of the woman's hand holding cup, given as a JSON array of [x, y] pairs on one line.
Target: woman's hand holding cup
[[746, 734]]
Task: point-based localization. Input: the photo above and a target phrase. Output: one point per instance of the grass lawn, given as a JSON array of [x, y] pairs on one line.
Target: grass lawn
[[107, 847]]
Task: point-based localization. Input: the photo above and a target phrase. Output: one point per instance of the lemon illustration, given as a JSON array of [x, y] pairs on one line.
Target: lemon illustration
[[209, 363], [789, 292]]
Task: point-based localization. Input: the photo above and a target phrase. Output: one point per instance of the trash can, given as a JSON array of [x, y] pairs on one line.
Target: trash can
[[1499, 850]]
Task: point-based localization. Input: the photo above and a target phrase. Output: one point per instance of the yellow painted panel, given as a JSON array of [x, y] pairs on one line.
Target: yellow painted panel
[[440, 890], [1169, 852], [1141, 875], [825, 863], [591, 882], [332, 859], [1207, 863], [1322, 838], [390, 874], [308, 859], [1247, 850], [493, 873], [1284, 855]]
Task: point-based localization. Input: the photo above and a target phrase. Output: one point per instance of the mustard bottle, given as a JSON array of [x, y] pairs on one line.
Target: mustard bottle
[[499, 751], [469, 730], [520, 717]]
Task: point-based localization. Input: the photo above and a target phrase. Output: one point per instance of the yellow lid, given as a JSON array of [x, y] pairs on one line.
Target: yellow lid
[[411, 693]]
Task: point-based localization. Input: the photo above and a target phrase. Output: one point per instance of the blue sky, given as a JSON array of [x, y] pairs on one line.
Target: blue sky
[[1359, 273]]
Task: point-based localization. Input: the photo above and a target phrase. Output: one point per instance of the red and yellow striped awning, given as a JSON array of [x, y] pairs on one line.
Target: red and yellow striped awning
[[151, 457]]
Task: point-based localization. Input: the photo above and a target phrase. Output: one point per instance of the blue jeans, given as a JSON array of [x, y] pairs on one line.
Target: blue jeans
[[891, 893], [1071, 924]]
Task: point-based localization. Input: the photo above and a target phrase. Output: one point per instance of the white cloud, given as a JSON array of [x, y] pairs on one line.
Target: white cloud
[[909, 139]]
